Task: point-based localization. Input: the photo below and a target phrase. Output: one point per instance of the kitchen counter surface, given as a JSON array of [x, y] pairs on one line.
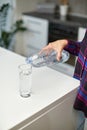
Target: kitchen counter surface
[[68, 20], [48, 88]]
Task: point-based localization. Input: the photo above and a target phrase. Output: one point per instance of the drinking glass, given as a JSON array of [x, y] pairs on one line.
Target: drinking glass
[[25, 79]]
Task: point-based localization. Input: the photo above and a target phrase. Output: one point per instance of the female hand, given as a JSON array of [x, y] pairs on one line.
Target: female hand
[[58, 46]]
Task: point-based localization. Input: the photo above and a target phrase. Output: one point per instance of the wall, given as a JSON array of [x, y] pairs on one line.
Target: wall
[[81, 7], [76, 6], [26, 5]]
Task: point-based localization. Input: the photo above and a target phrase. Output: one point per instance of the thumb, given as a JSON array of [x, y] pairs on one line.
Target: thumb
[[59, 55]]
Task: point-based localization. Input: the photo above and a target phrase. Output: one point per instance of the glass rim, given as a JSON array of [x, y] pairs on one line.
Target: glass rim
[[25, 66]]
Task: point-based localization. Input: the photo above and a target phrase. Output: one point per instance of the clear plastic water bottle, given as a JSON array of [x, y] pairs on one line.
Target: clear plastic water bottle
[[39, 60]]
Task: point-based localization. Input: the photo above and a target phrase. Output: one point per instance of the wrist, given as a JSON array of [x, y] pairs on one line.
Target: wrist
[[65, 41]]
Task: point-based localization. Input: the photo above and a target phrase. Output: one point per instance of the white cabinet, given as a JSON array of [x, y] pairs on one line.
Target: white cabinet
[[81, 33], [37, 35], [59, 117]]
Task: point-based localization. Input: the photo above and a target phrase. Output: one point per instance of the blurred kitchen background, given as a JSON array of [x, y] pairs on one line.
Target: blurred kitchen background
[[45, 23], [76, 6]]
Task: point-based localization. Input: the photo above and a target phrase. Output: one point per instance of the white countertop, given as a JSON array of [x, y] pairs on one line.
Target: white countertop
[[48, 86]]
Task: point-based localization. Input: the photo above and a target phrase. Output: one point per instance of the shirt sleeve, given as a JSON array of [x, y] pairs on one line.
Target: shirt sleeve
[[73, 47]]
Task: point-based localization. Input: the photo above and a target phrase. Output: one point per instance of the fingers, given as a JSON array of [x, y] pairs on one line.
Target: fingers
[[47, 49], [59, 56], [58, 46]]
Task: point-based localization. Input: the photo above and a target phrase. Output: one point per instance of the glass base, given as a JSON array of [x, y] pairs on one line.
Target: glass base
[[25, 95]]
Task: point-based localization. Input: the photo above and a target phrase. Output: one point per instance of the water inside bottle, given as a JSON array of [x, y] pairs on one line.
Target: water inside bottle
[[48, 60]]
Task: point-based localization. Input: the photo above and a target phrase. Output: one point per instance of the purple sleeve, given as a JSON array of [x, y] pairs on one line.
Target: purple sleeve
[[73, 47]]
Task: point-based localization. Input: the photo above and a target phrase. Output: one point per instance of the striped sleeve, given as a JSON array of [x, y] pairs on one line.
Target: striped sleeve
[[73, 47]]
